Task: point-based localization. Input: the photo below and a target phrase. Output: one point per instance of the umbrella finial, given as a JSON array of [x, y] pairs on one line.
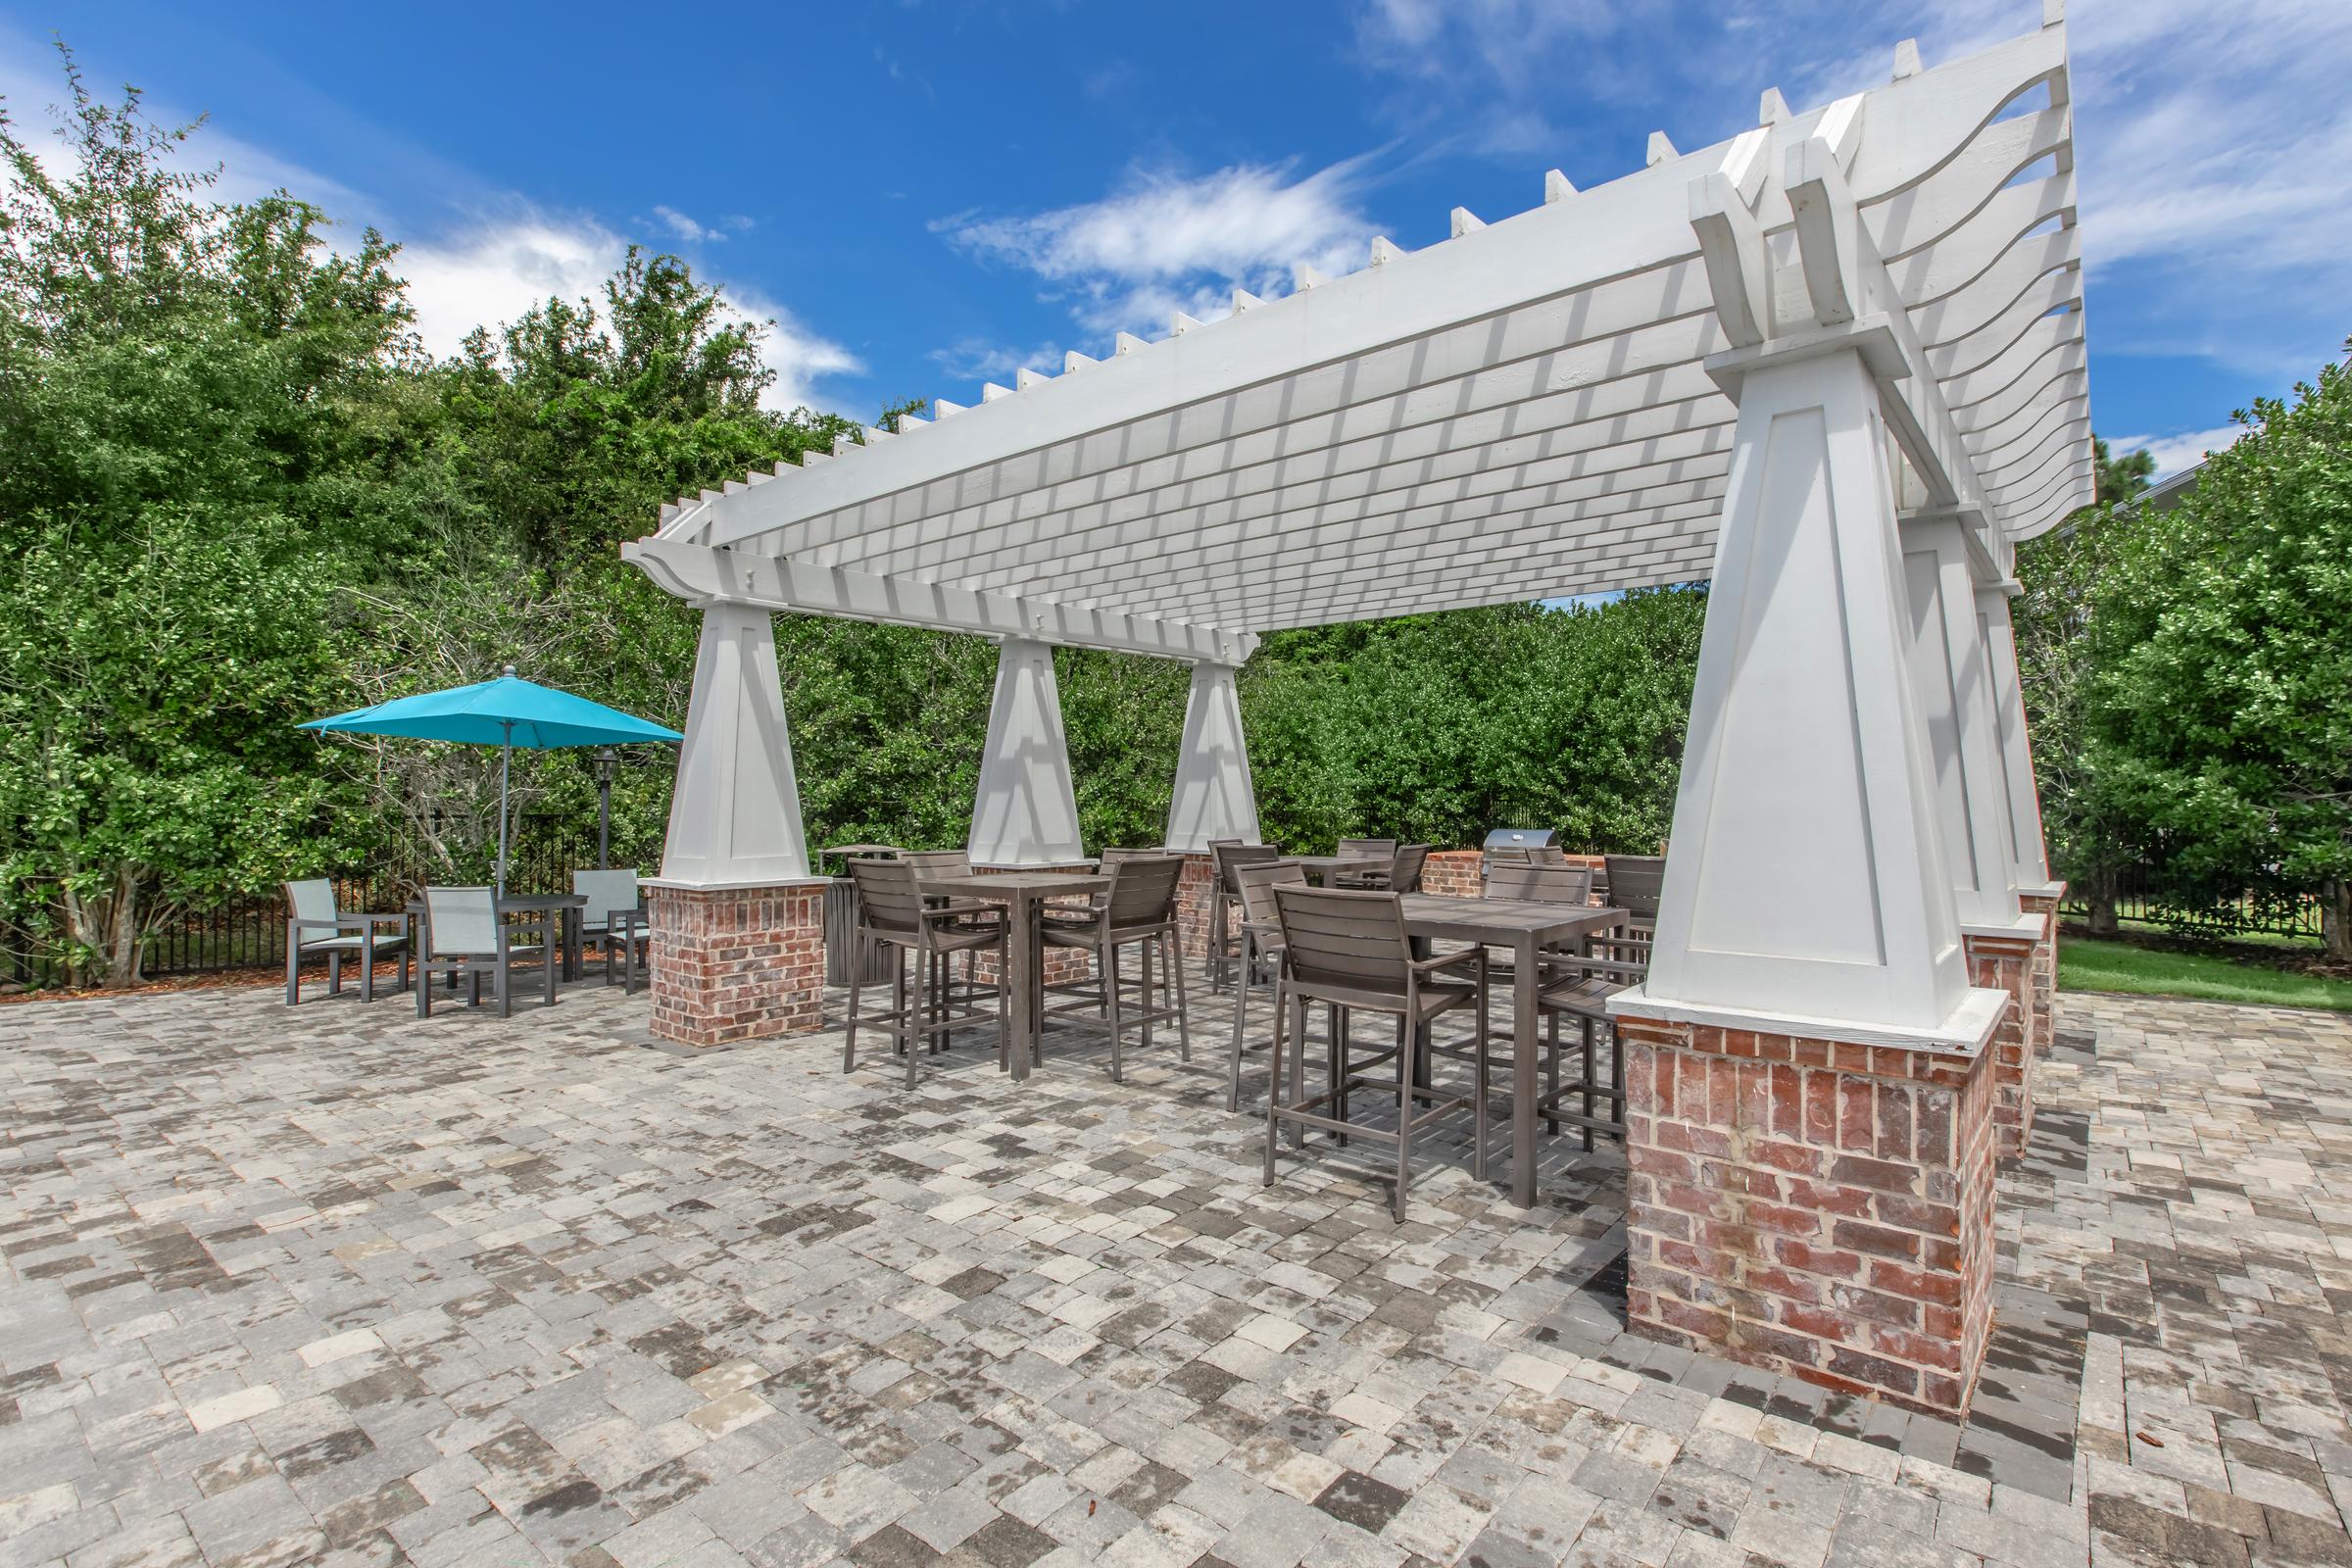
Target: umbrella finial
[[509, 673]]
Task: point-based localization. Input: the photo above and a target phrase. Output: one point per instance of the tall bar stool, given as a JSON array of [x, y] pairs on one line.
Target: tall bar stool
[[1577, 987], [1350, 952], [893, 912], [1227, 856], [1137, 910], [1261, 955]]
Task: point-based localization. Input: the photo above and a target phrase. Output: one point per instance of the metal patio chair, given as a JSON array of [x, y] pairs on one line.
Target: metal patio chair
[[316, 926], [464, 935], [1540, 882], [893, 912], [1369, 849], [1261, 956], [1636, 882], [1403, 874], [609, 893], [1139, 910], [1227, 856], [1577, 987], [1350, 952]]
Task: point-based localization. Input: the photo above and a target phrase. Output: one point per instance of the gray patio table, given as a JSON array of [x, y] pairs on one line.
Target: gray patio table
[[1023, 895], [1524, 927]]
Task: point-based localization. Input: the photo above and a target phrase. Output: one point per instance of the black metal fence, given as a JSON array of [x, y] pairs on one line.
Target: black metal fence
[[249, 931], [2289, 915]]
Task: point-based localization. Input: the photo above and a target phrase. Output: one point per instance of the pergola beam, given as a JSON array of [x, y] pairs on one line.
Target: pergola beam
[[706, 575]]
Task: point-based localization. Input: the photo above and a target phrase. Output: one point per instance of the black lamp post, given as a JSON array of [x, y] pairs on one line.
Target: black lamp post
[[607, 763]]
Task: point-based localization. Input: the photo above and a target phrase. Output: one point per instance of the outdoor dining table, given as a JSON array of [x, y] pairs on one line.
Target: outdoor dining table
[[548, 906], [1526, 927], [1023, 893]]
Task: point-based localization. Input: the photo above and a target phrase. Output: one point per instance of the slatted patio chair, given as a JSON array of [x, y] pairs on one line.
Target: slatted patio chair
[[1349, 951], [1577, 987], [1137, 910], [1539, 883], [1403, 874], [1369, 849], [1636, 882], [1227, 856], [465, 934], [316, 925], [893, 912], [1261, 956]]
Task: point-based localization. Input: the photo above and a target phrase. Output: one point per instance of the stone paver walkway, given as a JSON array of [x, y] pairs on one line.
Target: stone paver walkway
[[330, 1284]]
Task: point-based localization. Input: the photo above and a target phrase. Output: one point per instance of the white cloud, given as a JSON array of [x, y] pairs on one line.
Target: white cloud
[[685, 227], [1163, 243], [981, 358], [799, 357], [491, 273], [494, 272], [2183, 449]]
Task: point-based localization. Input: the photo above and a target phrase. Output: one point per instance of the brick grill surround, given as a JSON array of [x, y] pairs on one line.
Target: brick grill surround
[[1814, 1207], [737, 963]]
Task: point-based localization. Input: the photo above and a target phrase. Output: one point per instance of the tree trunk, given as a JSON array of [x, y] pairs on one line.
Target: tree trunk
[[2335, 917], [122, 943], [2100, 900]]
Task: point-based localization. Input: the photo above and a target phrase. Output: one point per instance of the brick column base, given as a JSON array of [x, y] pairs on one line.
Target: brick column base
[[2006, 963], [1813, 1207], [1192, 890], [2042, 976], [737, 963]]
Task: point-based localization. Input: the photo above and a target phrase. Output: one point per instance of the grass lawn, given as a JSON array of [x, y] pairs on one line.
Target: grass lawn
[[2087, 963]]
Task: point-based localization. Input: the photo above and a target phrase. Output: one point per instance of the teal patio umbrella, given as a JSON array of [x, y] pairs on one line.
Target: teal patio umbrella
[[505, 713]]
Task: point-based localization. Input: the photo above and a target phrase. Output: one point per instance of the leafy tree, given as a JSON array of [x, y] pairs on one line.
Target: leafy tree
[[175, 383], [2216, 720], [2118, 479]]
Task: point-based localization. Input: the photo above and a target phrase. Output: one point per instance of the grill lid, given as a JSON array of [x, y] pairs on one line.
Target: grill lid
[[1522, 838]]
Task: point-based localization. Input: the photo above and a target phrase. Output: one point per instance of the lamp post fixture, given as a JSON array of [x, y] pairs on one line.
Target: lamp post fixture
[[607, 763]]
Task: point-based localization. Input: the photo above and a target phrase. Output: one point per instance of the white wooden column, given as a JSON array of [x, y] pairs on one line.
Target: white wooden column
[[2029, 854], [1952, 675], [1806, 880], [1025, 813], [1213, 797], [735, 817]]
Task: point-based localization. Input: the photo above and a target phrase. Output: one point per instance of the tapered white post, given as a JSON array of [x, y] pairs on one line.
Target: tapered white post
[[1807, 880], [1025, 813], [2028, 853], [735, 818], [1213, 797], [1951, 674]]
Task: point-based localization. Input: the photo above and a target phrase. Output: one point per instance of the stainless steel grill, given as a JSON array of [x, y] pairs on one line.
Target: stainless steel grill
[[1511, 845]]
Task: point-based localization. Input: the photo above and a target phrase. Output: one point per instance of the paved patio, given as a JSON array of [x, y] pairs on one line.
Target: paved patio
[[334, 1285]]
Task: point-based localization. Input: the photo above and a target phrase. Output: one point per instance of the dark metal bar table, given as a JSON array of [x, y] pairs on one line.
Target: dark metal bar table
[[1323, 867], [1524, 927], [1023, 895]]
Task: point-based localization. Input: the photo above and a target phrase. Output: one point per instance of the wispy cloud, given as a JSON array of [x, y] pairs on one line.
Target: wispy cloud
[[1163, 243], [981, 358], [2183, 449], [686, 229]]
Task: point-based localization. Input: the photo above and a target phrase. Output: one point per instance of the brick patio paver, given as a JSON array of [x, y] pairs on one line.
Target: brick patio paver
[[329, 1285]]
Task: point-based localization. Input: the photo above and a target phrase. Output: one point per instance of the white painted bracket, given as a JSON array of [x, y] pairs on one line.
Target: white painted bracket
[[1214, 798], [1025, 813], [1950, 673], [1807, 875], [735, 818]]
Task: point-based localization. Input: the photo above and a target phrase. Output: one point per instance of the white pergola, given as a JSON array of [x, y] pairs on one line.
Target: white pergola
[[1834, 364]]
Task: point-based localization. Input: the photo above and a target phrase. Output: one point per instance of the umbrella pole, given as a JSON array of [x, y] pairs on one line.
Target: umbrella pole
[[505, 758]]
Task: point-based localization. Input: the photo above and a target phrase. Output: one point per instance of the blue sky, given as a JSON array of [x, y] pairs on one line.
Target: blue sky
[[925, 195]]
